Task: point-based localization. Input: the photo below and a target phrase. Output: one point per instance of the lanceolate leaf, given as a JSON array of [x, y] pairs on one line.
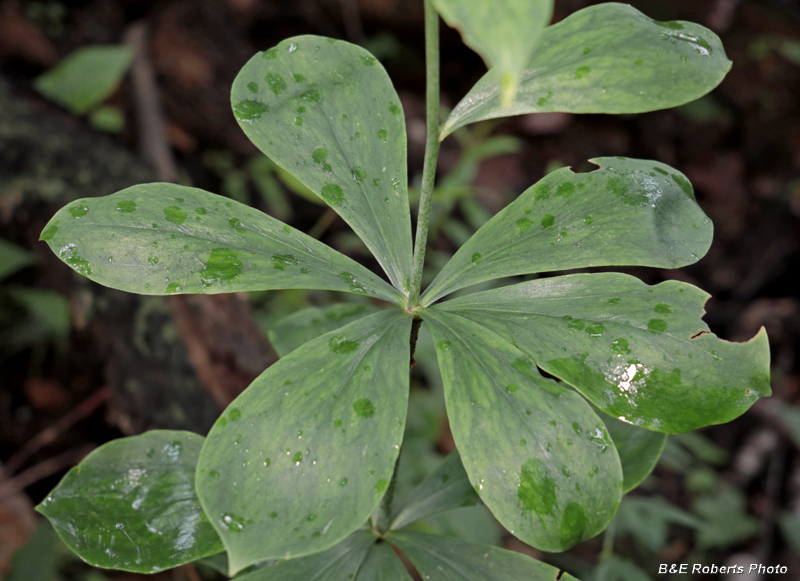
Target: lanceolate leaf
[[504, 32], [339, 563], [537, 454], [628, 212], [446, 488], [639, 450], [441, 558], [639, 353], [86, 77], [300, 327], [382, 564], [304, 455], [326, 111], [165, 239], [608, 58], [131, 505]]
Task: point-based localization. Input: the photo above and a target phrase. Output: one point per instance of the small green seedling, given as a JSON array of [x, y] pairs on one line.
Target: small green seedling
[[297, 473]]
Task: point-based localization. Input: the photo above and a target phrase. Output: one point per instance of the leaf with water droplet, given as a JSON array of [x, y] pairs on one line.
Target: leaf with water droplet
[[237, 248], [666, 374], [324, 156], [330, 387], [639, 449], [131, 504], [678, 65], [306, 324], [523, 486], [639, 217]]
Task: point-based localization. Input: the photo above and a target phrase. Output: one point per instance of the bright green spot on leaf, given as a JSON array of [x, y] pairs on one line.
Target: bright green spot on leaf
[[49, 232], [663, 309], [175, 215], [364, 408], [79, 210], [341, 345], [249, 109], [223, 266], [332, 194], [276, 83], [126, 206], [523, 225]]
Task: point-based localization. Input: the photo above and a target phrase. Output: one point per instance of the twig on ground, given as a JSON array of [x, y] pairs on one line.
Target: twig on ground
[[52, 432], [43, 470], [153, 145]]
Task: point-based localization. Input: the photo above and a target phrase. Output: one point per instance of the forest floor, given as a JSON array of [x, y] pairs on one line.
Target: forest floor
[[70, 382]]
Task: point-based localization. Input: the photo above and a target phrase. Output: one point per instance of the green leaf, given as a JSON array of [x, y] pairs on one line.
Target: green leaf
[[445, 488], [339, 563], [382, 564], [639, 450], [726, 520], [165, 239], [304, 455], [629, 212], [86, 77], [640, 353], [647, 520], [326, 111], [131, 505], [307, 324], [48, 319], [504, 32], [614, 568], [13, 258], [537, 454], [608, 58], [440, 558], [37, 560]]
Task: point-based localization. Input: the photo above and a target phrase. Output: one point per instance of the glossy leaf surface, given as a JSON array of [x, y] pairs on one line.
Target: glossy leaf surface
[[640, 353], [165, 239], [326, 111], [608, 58], [537, 454], [628, 212], [504, 32], [307, 324], [339, 563], [442, 558], [302, 458], [131, 504], [638, 449], [85, 77], [382, 564], [445, 488]]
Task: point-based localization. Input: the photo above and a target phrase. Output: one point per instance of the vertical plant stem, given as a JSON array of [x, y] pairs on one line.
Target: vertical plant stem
[[431, 148], [607, 550]]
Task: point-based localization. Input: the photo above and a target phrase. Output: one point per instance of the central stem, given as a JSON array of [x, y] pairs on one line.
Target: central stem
[[431, 148]]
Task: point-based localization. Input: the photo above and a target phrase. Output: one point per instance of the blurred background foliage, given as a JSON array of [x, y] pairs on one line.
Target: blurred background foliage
[[96, 95]]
